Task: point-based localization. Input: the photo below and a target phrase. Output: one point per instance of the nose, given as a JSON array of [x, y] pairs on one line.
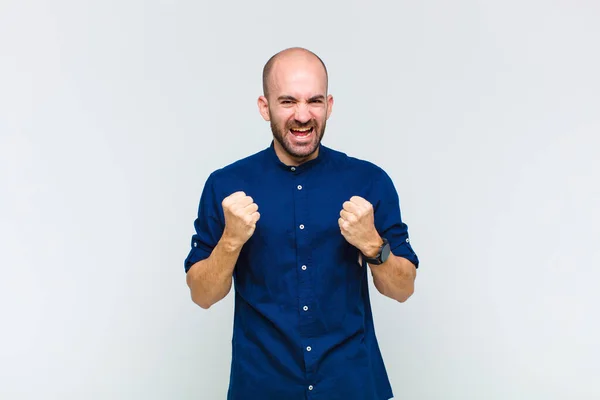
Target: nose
[[302, 114]]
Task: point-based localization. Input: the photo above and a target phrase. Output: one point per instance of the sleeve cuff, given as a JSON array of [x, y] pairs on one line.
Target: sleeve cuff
[[404, 250], [195, 255]]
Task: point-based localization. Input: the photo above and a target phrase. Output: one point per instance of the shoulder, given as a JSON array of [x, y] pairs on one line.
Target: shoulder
[[357, 165], [235, 175], [240, 168]]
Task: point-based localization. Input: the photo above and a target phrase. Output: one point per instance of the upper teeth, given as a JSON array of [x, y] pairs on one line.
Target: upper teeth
[[303, 130]]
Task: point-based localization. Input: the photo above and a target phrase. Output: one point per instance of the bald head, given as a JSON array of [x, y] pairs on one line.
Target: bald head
[[295, 56]]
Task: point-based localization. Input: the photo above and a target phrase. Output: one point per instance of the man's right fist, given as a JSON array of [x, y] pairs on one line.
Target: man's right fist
[[241, 215]]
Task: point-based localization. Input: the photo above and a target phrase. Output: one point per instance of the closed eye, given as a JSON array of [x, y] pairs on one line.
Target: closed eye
[[317, 99], [286, 99]]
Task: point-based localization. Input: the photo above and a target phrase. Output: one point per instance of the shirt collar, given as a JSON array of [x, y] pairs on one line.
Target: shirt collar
[[323, 153]]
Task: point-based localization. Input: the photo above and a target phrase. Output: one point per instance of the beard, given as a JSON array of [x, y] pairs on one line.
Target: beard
[[282, 135]]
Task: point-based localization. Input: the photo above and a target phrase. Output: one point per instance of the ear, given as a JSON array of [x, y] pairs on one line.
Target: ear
[[329, 105], [263, 108]]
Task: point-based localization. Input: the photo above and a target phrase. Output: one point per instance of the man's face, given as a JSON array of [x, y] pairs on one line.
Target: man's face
[[298, 107]]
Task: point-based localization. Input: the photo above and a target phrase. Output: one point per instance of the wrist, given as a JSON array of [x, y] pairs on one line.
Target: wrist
[[229, 243], [371, 248]]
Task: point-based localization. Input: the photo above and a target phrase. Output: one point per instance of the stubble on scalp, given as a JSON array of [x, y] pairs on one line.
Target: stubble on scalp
[[292, 51]]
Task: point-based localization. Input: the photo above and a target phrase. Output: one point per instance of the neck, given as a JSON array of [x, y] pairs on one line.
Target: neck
[[291, 160]]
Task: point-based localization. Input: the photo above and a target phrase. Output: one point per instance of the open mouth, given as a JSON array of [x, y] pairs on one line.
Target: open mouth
[[301, 132]]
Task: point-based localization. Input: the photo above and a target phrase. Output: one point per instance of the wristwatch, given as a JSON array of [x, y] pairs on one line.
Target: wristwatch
[[382, 255]]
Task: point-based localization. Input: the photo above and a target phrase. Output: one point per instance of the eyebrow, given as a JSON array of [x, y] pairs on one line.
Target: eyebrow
[[292, 98], [281, 98]]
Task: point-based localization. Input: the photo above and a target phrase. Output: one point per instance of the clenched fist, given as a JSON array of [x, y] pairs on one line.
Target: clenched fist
[[357, 223], [241, 215]]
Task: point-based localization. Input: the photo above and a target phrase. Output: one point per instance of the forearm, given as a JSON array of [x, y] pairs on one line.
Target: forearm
[[210, 280], [395, 278]]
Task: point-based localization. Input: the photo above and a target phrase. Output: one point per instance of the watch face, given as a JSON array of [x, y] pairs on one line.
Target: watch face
[[385, 252]]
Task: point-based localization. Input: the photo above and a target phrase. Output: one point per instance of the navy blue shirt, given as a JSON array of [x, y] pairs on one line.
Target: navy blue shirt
[[303, 326]]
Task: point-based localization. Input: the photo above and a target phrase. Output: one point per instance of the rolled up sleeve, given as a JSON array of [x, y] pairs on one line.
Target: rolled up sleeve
[[388, 219], [208, 225]]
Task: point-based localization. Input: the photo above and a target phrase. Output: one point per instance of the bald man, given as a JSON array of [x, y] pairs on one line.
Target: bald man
[[295, 227]]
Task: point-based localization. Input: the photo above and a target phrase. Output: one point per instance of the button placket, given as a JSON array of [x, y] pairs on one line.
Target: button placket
[[305, 290]]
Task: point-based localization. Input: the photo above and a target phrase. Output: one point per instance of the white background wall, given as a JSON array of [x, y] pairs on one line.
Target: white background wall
[[112, 114]]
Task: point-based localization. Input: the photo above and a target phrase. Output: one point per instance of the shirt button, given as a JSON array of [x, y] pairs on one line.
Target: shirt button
[[407, 240], [293, 168], [310, 387], [299, 187], [305, 308], [304, 268], [301, 226], [195, 244], [308, 348]]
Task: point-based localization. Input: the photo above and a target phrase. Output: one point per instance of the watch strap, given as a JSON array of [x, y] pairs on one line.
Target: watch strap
[[378, 258]]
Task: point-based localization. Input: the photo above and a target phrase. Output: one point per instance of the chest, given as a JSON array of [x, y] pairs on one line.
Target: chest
[[303, 207]]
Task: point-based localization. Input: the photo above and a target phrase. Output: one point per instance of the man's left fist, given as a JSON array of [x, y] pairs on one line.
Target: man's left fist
[[357, 223]]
